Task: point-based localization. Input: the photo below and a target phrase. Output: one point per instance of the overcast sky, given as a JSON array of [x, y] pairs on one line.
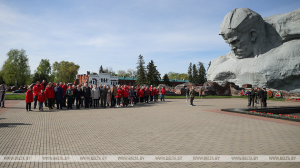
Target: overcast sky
[[113, 33]]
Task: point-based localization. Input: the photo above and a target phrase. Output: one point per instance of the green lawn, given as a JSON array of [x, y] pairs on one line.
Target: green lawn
[[15, 97]]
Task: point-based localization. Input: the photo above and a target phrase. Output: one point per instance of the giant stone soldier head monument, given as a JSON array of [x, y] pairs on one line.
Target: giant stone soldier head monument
[[265, 52]]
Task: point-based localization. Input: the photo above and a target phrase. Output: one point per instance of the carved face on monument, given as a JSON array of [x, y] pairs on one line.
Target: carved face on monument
[[241, 44], [240, 30]]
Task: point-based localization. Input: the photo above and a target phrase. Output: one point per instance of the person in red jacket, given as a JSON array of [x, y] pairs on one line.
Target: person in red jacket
[[151, 93], [36, 91], [42, 99], [50, 95], [125, 95], [28, 99], [162, 94], [64, 87], [119, 95], [142, 92]]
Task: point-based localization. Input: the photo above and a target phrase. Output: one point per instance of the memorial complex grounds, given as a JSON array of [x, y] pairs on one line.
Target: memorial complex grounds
[[170, 128]]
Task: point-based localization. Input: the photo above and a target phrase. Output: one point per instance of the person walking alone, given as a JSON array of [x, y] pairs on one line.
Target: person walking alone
[[192, 96]]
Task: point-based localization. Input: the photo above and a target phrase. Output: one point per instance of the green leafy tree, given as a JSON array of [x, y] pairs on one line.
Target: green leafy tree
[[44, 67], [153, 74], [190, 72], [39, 77], [122, 73], [141, 72], [65, 71], [131, 72], [16, 69], [166, 80]]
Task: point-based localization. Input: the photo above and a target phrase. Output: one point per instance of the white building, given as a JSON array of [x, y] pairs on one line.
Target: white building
[[102, 78]]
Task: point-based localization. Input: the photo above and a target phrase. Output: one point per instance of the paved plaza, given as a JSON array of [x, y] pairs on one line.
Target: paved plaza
[[164, 128]]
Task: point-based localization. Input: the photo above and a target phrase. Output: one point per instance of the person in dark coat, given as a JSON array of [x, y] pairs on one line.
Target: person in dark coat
[[261, 96], [78, 95], [59, 96], [265, 98], [251, 95], [86, 95]]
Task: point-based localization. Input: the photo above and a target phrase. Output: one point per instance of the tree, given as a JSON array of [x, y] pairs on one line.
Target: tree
[[122, 73], [44, 67], [141, 72], [208, 65], [65, 71], [195, 74], [110, 71], [16, 69], [39, 77], [166, 80], [101, 69], [190, 75], [152, 75], [131, 72], [201, 73]]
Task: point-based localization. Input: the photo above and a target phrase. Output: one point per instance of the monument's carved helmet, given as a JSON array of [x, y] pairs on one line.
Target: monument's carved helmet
[[240, 29]]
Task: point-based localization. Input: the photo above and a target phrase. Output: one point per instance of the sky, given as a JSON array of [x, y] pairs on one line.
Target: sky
[[113, 33]]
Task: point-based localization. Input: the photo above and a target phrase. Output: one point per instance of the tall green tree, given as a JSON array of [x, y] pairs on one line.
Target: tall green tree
[[166, 80], [190, 72], [65, 71], [40, 77], [141, 72], [201, 73], [44, 67], [195, 74], [153, 74], [16, 69]]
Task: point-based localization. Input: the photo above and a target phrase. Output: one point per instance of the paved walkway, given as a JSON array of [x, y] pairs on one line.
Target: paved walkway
[[164, 128]]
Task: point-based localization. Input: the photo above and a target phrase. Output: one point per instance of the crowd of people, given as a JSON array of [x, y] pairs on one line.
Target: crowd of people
[[257, 96], [68, 95]]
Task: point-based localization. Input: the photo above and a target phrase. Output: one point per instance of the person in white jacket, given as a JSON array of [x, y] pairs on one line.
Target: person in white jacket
[[95, 96], [3, 90]]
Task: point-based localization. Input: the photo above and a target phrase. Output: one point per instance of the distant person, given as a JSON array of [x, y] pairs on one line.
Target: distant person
[[192, 96], [41, 99], [36, 91], [255, 95], [103, 94], [64, 87], [151, 93], [69, 95], [78, 94], [108, 98], [155, 94], [162, 94], [200, 92], [28, 99], [50, 95], [119, 95], [113, 95], [251, 95], [265, 98], [59, 96], [147, 93], [131, 96], [261, 96], [3, 90], [87, 95], [141, 93], [91, 99], [187, 94]]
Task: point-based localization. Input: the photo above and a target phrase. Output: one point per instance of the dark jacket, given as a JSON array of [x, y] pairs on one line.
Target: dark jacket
[[103, 92], [78, 94], [59, 93], [131, 93], [261, 94], [86, 92]]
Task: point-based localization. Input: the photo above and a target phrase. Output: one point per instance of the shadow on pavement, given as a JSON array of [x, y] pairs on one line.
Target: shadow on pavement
[[11, 124]]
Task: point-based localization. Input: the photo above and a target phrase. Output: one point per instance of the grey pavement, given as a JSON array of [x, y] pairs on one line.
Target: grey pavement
[[164, 128]]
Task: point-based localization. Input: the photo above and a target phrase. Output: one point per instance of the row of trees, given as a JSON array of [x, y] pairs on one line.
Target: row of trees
[[16, 70], [148, 75], [197, 73]]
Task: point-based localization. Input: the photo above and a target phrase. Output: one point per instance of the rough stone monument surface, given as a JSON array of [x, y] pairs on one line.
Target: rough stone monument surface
[[265, 52]]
